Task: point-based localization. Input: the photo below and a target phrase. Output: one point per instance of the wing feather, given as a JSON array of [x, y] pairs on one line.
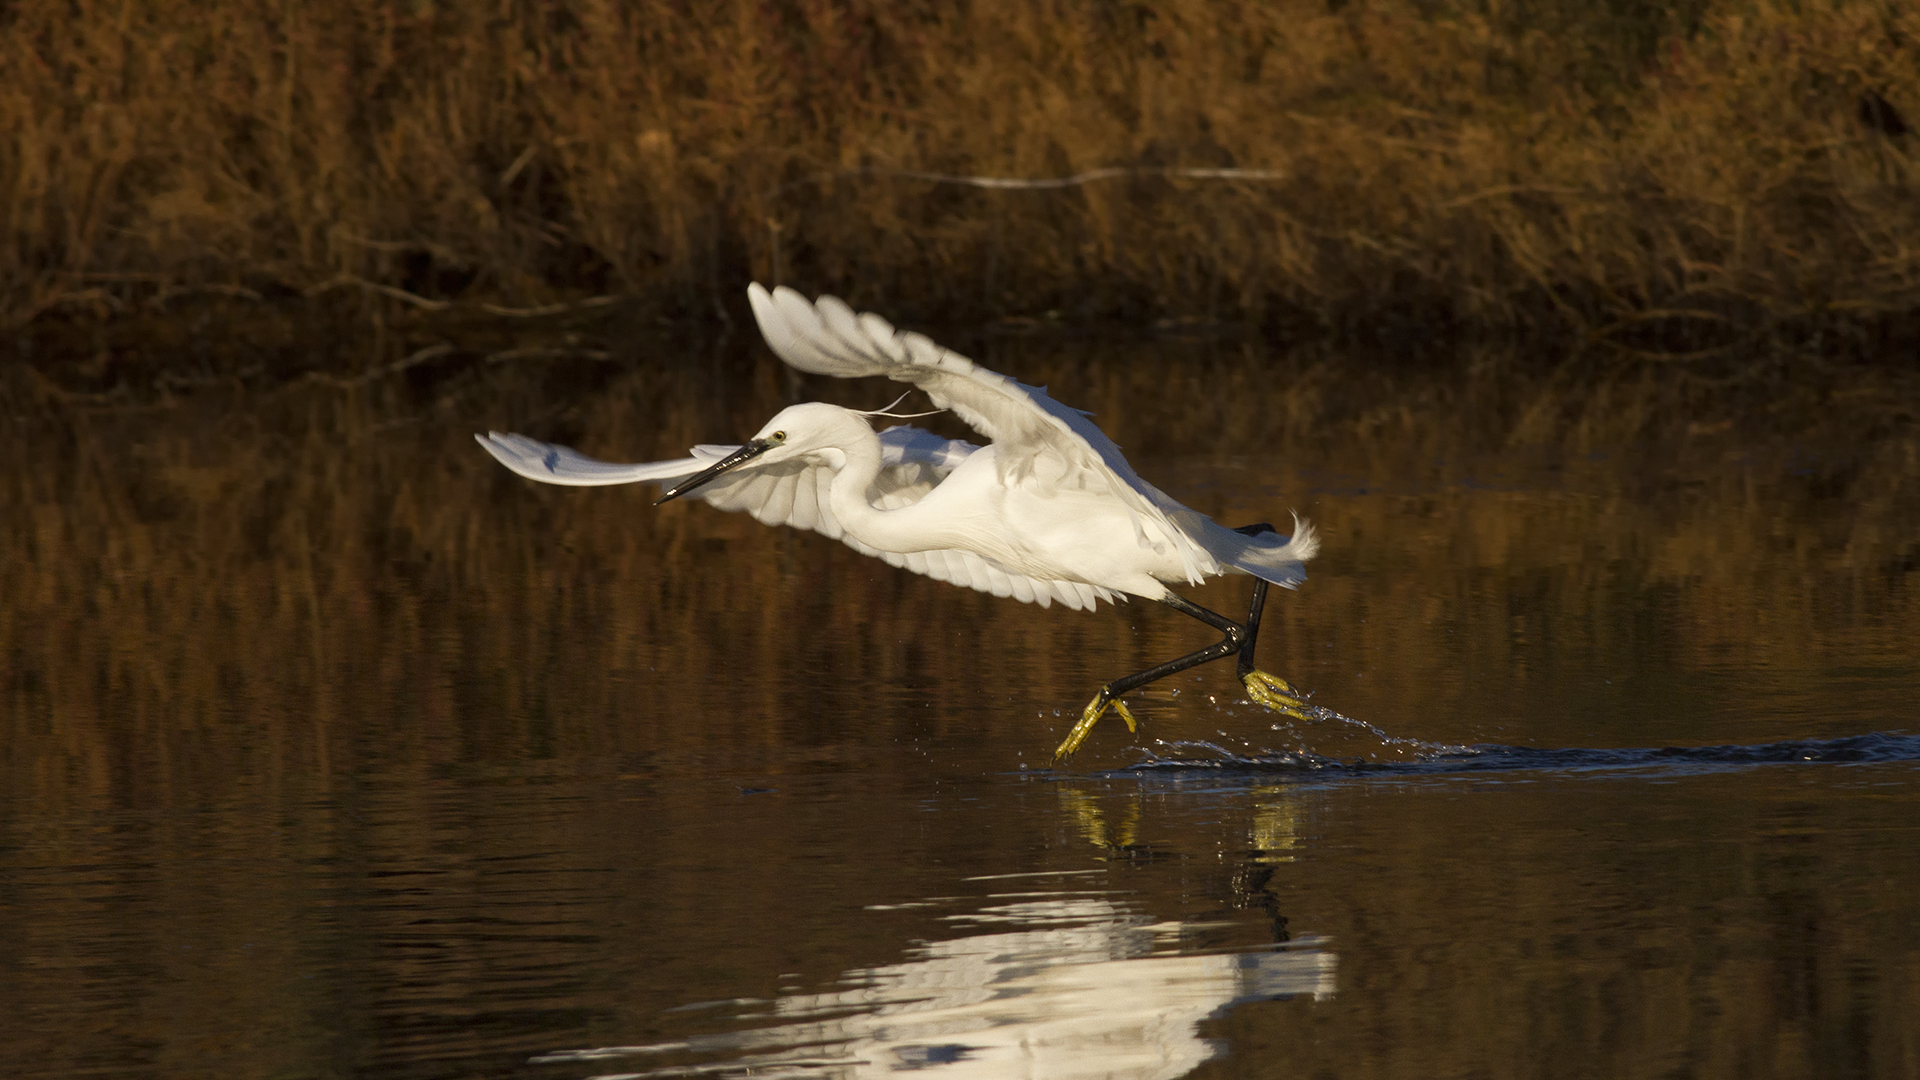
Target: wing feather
[[882, 334], [793, 493], [551, 464], [1035, 434], [954, 568], [776, 499], [1023, 590]]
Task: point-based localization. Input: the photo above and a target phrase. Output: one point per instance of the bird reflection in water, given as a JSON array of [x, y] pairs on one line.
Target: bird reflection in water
[[1059, 985]]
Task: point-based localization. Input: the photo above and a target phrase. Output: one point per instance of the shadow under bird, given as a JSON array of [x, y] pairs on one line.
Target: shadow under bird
[[1047, 511]]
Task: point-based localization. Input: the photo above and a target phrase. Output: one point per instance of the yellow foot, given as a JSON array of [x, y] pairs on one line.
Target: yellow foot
[[1094, 710], [1276, 693]]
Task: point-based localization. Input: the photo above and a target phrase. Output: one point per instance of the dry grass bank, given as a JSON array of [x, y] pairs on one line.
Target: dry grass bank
[[1720, 172]]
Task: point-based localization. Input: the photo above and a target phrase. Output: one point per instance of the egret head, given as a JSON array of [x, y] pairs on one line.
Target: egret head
[[812, 430]]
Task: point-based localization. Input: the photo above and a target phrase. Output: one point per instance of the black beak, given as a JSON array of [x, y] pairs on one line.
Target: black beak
[[753, 449]]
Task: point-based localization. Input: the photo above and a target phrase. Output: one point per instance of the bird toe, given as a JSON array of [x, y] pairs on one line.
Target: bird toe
[[1276, 693]]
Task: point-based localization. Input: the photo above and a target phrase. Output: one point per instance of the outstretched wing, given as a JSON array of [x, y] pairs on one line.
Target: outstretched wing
[[786, 493], [793, 493], [1039, 440], [564, 465]]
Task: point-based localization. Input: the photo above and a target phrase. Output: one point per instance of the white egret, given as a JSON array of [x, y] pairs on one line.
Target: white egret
[[1048, 510]]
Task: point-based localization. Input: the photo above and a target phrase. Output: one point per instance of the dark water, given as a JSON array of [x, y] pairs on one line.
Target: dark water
[[332, 750]]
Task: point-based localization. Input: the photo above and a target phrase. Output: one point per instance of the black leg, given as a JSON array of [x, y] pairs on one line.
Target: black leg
[[1235, 640], [1253, 626], [1268, 690], [1253, 609]]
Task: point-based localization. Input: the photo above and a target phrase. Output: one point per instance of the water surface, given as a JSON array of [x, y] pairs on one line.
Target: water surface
[[331, 749]]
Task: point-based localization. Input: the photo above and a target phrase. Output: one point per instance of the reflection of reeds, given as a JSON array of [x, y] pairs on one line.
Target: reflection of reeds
[[249, 637], [1681, 178], [231, 579]]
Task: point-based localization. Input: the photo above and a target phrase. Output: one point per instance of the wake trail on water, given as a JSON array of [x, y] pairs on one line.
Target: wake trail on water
[[1365, 749]]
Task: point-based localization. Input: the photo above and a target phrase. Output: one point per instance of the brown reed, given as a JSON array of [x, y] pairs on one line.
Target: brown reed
[[1677, 178]]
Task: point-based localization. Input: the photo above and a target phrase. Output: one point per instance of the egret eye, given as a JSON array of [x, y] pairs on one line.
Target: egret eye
[[777, 437]]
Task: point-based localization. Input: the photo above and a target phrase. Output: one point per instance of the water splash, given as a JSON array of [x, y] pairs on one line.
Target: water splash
[[1384, 745], [1322, 739]]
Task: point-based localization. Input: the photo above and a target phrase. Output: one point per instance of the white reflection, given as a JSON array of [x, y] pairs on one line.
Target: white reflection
[[1087, 990]]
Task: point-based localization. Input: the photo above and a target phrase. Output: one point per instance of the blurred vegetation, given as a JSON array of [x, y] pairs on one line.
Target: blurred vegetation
[[307, 562], [1673, 178]]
